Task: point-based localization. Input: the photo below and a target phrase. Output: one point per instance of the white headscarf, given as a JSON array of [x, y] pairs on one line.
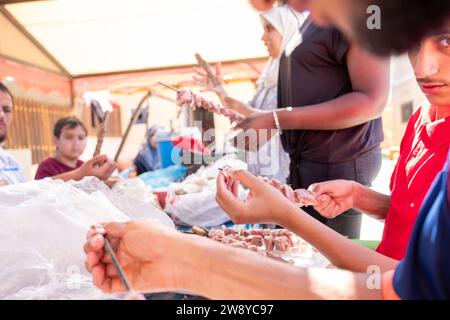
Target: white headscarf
[[287, 22]]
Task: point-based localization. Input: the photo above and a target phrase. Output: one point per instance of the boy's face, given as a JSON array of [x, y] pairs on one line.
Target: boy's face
[[72, 142], [431, 63], [6, 105]]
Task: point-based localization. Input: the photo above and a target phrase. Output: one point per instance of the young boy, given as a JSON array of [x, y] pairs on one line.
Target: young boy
[[69, 135]]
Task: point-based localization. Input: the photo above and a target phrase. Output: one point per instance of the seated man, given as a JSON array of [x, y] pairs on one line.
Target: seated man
[[10, 170], [69, 135]]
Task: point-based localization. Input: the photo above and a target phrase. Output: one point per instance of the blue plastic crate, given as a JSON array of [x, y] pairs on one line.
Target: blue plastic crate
[[165, 149]]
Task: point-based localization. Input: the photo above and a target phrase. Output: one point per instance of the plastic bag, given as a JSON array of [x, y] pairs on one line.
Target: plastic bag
[[199, 209], [43, 226], [162, 178], [137, 189]]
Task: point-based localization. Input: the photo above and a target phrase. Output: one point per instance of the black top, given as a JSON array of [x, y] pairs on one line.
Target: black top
[[316, 72]]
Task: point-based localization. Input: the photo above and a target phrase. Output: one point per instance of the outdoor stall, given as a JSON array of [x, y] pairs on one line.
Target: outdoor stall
[[153, 145]]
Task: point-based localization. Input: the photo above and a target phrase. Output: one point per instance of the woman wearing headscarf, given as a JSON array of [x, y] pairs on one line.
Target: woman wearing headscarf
[[281, 34], [148, 157]]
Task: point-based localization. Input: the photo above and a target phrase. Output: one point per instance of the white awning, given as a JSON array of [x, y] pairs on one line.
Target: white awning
[[101, 36]]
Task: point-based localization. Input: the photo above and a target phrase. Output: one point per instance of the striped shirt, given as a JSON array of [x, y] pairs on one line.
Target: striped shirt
[[10, 170]]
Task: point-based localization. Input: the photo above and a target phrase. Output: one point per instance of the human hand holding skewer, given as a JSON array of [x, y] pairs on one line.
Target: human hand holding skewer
[[300, 197], [188, 98]]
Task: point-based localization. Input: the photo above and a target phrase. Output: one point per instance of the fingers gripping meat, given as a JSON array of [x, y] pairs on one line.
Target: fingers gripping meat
[[300, 197]]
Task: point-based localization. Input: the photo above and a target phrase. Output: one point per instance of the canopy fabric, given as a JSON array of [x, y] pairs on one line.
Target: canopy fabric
[[102, 36]]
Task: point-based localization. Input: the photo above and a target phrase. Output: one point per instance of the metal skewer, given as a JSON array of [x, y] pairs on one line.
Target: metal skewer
[[167, 86], [116, 264]]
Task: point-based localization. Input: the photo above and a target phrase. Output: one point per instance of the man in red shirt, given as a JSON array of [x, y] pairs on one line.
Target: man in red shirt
[[70, 140], [423, 152]]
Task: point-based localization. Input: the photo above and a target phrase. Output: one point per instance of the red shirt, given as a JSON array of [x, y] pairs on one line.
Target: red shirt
[[423, 152], [52, 167]]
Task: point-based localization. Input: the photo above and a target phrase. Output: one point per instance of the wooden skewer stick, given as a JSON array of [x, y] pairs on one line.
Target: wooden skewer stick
[[130, 124], [203, 64], [101, 135], [212, 78]]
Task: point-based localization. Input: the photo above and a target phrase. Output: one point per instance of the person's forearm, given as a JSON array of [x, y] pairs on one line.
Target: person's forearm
[[347, 111], [342, 252], [71, 175], [216, 271], [221, 93], [372, 203]]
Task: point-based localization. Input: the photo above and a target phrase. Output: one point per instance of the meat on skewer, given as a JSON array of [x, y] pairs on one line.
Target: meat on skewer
[[301, 197], [189, 99]]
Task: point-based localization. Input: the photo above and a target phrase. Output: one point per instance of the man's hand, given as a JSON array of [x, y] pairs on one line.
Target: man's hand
[[257, 129], [100, 166], [333, 197], [146, 253], [265, 204]]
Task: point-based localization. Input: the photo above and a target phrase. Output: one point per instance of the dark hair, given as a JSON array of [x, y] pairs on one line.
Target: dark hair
[[5, 89], [71, 122], [404, 23]]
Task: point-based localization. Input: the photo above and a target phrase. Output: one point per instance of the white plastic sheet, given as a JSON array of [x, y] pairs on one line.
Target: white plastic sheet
[[43, 226]]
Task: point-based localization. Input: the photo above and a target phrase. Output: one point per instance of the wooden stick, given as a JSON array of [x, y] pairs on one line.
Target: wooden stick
[[212, 78], [130, 124], [203, 64], [101, 135]]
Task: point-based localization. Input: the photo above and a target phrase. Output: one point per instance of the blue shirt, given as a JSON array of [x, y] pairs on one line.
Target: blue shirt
[[425, 271], [10, 170]]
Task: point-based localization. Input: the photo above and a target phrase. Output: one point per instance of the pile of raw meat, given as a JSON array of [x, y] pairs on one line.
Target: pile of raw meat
[[268, 242]]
